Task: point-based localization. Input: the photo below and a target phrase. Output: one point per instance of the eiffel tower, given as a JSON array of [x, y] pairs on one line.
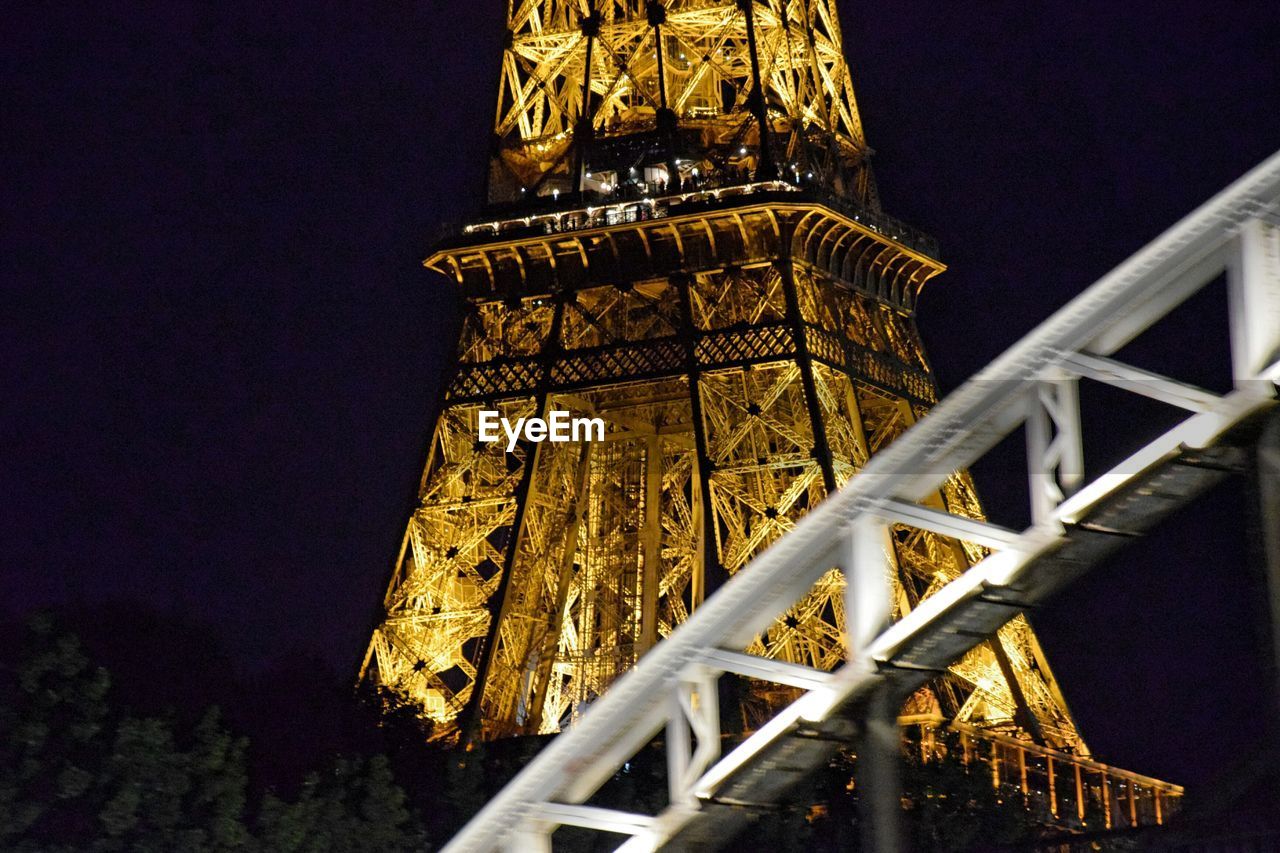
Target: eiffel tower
[[682, 238]]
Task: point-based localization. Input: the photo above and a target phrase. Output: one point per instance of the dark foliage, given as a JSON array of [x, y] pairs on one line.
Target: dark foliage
[[81, 772]]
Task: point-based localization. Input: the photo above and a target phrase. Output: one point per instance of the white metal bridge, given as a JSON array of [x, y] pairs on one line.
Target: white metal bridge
[[1076, 522]]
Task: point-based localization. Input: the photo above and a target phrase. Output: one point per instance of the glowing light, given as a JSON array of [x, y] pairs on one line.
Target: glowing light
[[439, 607]]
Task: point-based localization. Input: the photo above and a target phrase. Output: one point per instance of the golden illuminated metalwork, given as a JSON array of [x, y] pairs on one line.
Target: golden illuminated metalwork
[[678, 78], [684, 241]]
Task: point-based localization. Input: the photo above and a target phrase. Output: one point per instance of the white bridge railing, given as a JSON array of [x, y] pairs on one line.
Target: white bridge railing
[[1033, 383]]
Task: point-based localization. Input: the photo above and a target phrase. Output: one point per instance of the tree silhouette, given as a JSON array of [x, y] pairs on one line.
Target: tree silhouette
[[79, 773]]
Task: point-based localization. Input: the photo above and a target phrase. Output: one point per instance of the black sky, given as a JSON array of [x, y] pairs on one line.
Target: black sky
[[223, 356]]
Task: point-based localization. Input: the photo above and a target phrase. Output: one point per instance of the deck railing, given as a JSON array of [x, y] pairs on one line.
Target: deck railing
[[1076, 792]]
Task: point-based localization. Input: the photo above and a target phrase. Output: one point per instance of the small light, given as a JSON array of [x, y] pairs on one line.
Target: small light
[[742, 150], [695, 172]]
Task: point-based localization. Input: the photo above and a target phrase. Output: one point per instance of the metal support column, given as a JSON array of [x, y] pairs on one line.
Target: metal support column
[[1269, 517], [1053, 788], [472, 716], [652, 556], [879, 778], [585, 129], [713, 574], [821, 448], [551, 641], [766, 170], [868, 607]]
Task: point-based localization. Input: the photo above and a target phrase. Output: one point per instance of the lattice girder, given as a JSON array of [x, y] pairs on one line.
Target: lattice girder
[[734, 396], [616, 67]]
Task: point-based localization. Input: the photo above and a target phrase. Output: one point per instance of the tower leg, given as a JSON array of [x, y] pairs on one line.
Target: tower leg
[[879, 771]]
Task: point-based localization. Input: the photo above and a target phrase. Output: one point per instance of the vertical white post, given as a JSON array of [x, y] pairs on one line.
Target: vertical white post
[[704, 716], [1253, 289], [1070, 441], [868, 570], [868, 593], [1055, 452], [1040, 471], [678, 747], [695, 709]]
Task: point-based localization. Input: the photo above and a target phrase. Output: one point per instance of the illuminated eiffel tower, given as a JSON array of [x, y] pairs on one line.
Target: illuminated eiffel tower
[[682, 238]]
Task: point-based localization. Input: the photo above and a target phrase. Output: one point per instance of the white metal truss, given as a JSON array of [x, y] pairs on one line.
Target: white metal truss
[[1033, 383]]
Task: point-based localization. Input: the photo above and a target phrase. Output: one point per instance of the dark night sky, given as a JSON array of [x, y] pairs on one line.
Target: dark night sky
[[222, 355]]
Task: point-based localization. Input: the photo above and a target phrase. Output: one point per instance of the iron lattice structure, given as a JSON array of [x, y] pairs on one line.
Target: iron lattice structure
[[683, 240], [671, 87]]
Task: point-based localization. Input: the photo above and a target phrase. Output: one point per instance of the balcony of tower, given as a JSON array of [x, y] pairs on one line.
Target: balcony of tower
[[630, 234], [638, 201]]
